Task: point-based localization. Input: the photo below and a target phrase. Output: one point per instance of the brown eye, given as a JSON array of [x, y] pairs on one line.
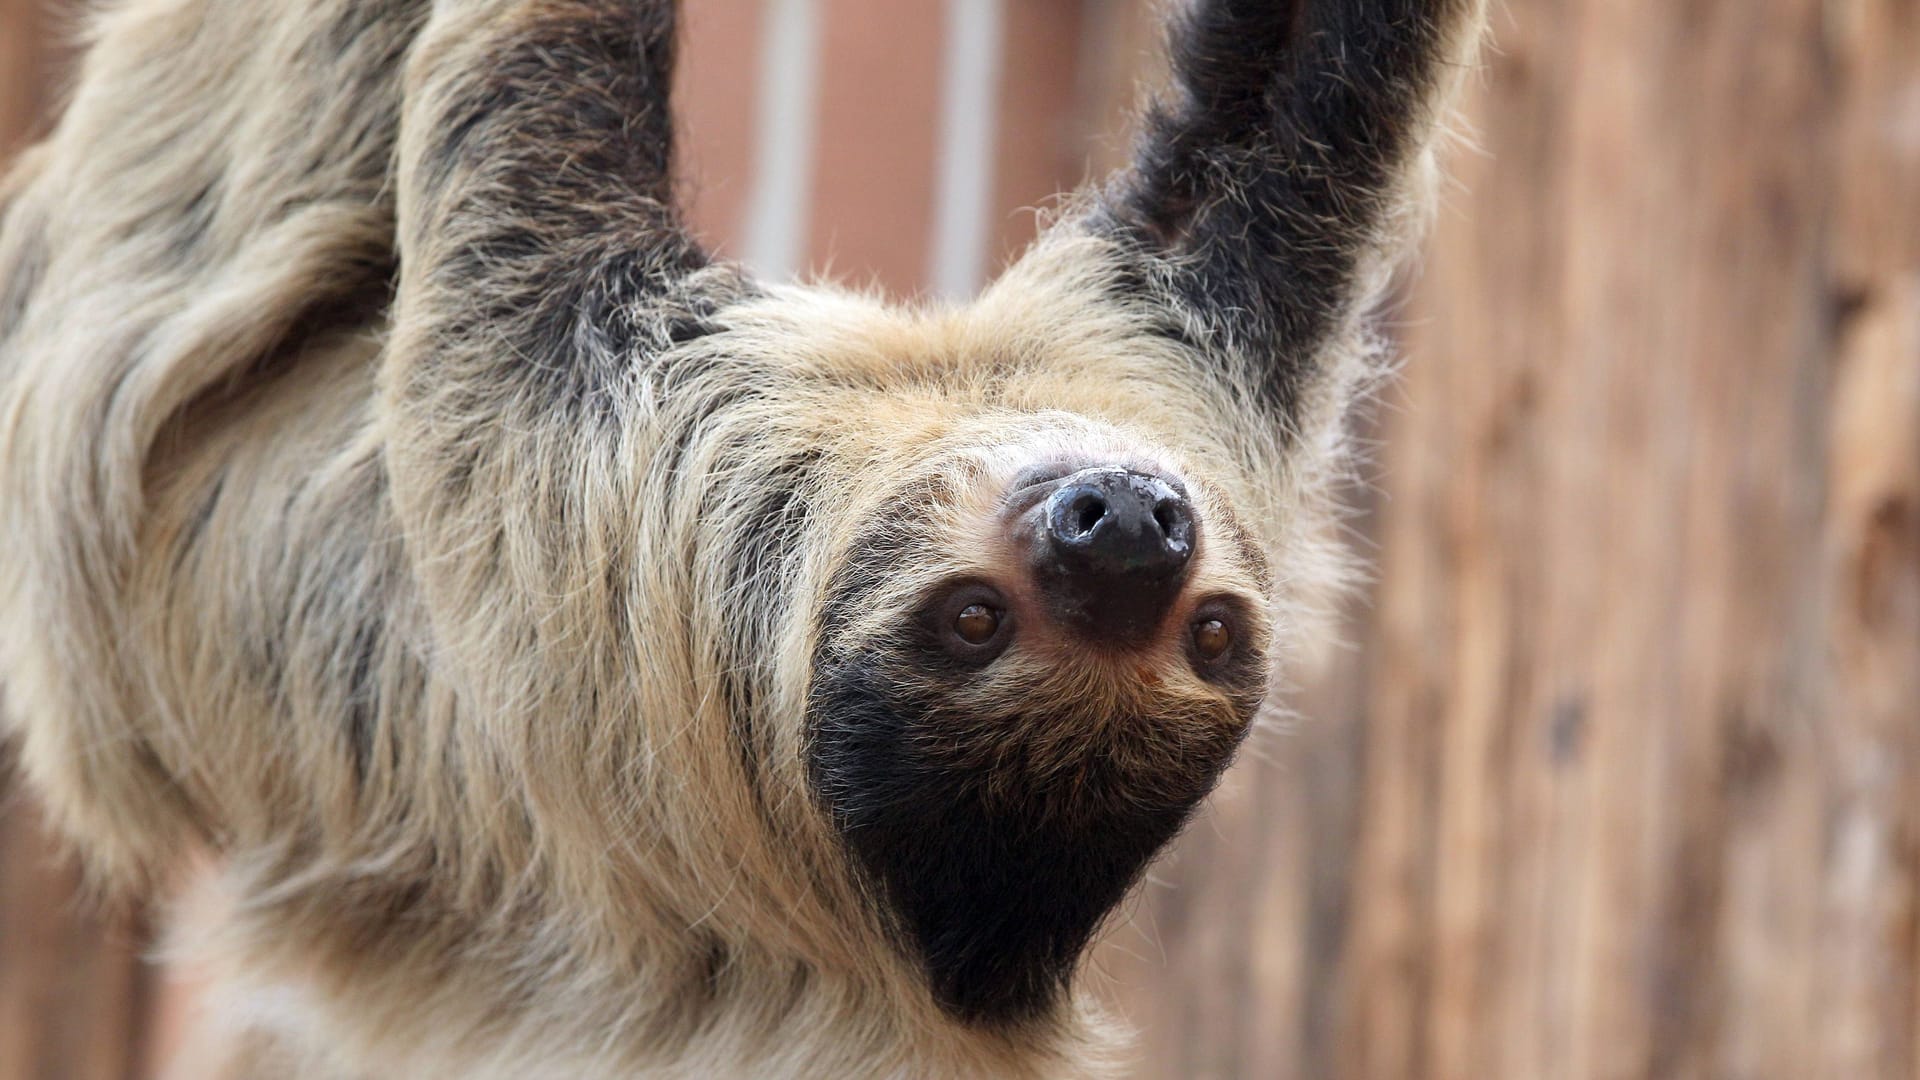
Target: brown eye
[[976, 624], [1211, 639]]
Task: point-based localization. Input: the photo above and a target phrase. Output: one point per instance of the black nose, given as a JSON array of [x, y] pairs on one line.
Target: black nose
[[1113, 551]]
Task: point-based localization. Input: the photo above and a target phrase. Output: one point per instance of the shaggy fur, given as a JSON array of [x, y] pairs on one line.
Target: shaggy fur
[[532, 615]]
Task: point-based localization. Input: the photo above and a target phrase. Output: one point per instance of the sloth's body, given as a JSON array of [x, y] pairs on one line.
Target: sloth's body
[[582, 659]]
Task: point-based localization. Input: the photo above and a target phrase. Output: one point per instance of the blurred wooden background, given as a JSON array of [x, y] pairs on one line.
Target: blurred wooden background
[[1619, 775]]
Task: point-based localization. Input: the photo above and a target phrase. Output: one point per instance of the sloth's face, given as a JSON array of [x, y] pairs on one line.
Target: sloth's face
[[1029, 669]]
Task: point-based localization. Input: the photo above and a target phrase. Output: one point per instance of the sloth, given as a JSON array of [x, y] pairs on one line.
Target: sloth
[[568, 655]]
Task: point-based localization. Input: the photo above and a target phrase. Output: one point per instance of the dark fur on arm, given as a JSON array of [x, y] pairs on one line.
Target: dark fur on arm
[[1270, 176], [536, 204], [543, 266]]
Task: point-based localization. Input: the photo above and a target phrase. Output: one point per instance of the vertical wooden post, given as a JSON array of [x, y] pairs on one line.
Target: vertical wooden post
[[74, 994], [20, 75]]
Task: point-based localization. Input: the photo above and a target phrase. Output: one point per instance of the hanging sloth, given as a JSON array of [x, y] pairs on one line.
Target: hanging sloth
[[582, 659]]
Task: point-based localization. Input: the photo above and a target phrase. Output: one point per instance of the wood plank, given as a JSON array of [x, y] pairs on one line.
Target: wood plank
[[874, 163], [1866, 992], [1042, 149], [22, 78], [714, 100], [74, 996]]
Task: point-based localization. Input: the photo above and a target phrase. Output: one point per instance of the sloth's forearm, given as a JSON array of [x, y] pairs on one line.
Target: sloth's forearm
[[542, 264], [539, 241], [1271, 180]]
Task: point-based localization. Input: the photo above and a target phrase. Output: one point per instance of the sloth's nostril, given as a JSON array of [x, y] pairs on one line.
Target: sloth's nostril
[[1088, 511], [1169, 518]]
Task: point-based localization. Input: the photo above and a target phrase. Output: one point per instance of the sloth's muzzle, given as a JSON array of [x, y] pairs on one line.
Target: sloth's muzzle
[[1109, 551]]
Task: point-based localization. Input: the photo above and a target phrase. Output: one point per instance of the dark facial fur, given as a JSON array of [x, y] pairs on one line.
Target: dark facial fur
[[550, 631]]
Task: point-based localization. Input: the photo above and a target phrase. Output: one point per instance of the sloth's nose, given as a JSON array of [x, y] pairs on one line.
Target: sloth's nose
[[1116, 525], [1113, 551]]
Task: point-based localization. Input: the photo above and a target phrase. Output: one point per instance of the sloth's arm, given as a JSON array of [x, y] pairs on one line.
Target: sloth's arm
[[542, 261], [539, 238], [1269, 188]]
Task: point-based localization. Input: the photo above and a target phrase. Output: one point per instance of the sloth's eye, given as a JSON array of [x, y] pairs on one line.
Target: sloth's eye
[[976, 624], [968, 623], [1211, 639]]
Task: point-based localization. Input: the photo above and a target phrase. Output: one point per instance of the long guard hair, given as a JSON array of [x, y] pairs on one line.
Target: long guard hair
[[549, 629]]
